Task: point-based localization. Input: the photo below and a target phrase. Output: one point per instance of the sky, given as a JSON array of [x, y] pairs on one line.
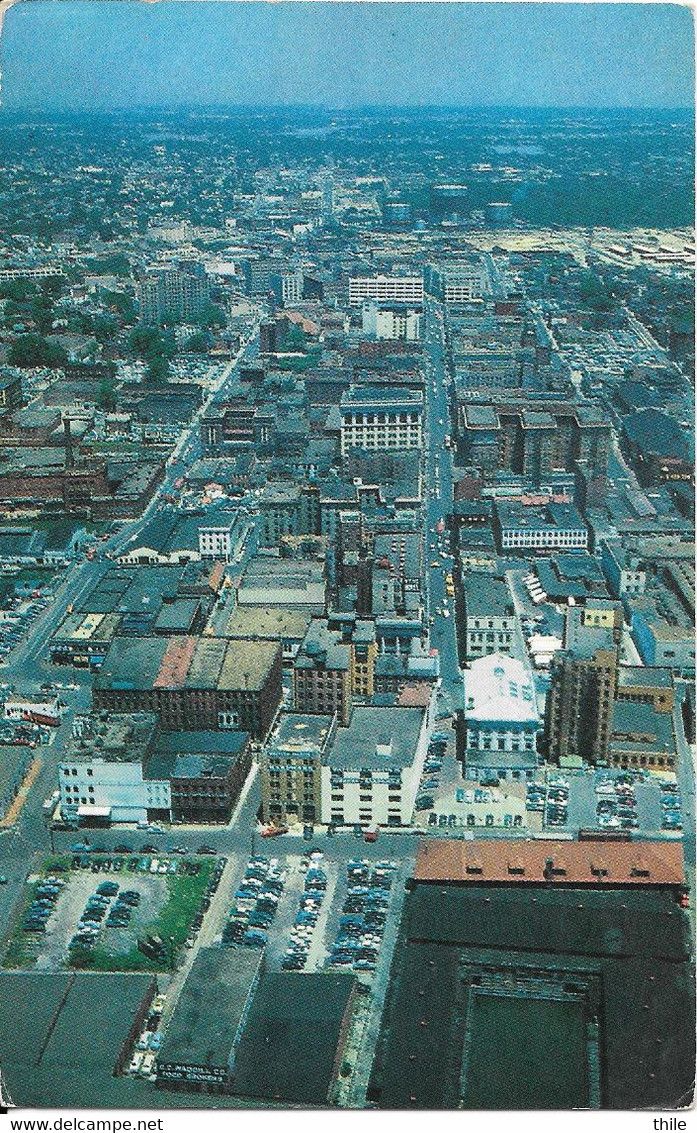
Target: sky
[[112, 54]]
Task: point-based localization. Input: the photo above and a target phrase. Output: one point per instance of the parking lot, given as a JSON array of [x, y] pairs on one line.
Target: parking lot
[[111, 913], [605, 799], [311, 912], [18, 615]]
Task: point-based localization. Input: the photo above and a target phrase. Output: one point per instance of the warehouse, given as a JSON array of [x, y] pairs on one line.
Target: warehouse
[[293, 1043], [63, 1035], [193, 683], [546, 975], [198, 1053]]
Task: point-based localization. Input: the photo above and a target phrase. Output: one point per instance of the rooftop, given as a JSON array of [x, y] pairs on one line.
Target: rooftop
[[549, 862], [376, 739], [210, 1008]]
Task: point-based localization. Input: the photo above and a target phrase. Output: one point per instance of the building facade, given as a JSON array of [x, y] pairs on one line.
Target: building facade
[[501, 719], [378, 419]]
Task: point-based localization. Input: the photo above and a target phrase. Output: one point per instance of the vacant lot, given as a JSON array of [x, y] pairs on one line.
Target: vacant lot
[[171, 891]]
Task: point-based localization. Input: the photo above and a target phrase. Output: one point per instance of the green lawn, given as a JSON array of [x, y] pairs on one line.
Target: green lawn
[[526, 1054]]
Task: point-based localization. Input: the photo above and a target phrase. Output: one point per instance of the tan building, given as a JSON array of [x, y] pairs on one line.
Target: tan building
[[290, 768], [579, 704]]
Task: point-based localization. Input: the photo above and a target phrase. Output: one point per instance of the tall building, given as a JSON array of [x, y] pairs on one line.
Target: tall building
[[536, 443], [287, 286], [580, 701], [178, 291], [322, 674], [291, 765]]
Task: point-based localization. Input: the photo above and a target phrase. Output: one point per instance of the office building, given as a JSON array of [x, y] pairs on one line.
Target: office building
[[322, 674], [379, 419], [579, 704], [386, 289], [554, 526], [390, 321], [491, 623], [372, 767], [176, 292], [290, 768]]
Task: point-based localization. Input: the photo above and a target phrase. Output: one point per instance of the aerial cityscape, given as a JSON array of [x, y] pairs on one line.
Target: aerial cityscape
[[347, 575]]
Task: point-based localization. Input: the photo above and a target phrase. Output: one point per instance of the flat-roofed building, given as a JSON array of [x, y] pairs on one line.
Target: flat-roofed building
[[201, 1040], [378, 419], [193, 683], [372, 768], [491, 623], [579, 703], [290, 768], [513, 956], [322, 674], [386, 289]]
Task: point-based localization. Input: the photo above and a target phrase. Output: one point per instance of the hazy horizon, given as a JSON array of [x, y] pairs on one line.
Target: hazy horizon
[[116, 55]]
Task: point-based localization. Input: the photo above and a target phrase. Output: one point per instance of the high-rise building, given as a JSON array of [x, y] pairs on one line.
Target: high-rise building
[[177, 291], [580, 701]]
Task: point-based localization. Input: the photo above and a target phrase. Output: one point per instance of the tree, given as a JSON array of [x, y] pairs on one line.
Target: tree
[[198, 343], [33, 350], [158, 369], [106, 394], [211, 316]]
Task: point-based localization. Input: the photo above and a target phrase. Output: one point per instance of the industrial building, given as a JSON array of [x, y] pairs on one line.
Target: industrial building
[[540, 975], [201, 1040], [193, 683]]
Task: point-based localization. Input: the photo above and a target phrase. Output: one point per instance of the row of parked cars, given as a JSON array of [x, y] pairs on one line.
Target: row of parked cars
[[364, 916], [256, 903], [19, 615], [301, 934], [616, 802], [149, 1041], [136, 864], [433, 765], [206, 896], [99, 913], [671, 814], [42, 905], [557, 802]]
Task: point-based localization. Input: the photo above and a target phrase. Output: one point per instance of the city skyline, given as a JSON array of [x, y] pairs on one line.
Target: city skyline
[[522, 56]]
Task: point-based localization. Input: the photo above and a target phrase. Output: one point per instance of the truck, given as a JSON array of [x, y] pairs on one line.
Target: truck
[[371, 833]]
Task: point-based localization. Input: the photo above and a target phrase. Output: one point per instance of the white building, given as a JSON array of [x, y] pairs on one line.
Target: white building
[[386, 289], [371, 770], [501, 719], [378, 419], [102, 775], [391, 321]]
